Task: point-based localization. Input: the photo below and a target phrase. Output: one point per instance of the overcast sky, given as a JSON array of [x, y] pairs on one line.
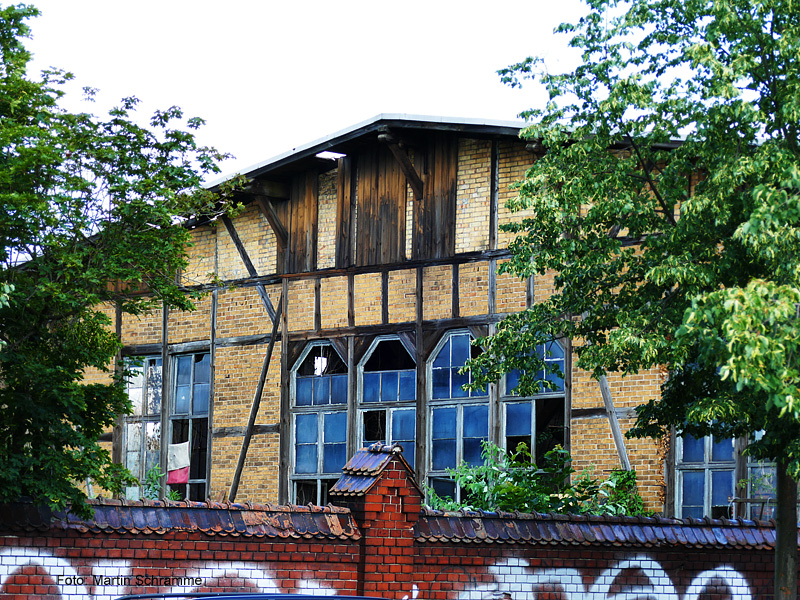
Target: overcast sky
[[269, 76]]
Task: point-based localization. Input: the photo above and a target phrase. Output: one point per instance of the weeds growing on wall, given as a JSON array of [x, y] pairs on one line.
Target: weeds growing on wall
[[509, 480]]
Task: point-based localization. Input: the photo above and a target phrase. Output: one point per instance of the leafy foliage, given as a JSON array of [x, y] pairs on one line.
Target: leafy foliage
[[509, 480], [90, 210], [151, 486], [678, 254], [667, 201]]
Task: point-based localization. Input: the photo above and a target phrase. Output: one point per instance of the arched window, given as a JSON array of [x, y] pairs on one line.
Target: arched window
[[319, 422], [387, 411], [459, 418]]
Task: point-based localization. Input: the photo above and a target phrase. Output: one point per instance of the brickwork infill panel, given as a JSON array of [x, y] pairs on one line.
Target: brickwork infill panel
[[185, 325]]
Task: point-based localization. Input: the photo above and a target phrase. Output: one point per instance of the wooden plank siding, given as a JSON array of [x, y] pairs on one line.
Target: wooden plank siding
[[345, 226], [299, 216], [381, 199], [435, 213]]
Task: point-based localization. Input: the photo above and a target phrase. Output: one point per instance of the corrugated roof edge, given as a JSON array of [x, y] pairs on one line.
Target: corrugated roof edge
[[212, 518], [558, 529], [328, 141]]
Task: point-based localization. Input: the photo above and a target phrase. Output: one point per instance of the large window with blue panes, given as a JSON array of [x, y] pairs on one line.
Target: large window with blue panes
[[538, 421], [387, 400], [319, 422], [459, 418], [705, 476], [189, 419]]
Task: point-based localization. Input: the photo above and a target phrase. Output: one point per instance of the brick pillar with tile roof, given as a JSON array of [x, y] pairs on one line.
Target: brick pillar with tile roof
[[378, 486]]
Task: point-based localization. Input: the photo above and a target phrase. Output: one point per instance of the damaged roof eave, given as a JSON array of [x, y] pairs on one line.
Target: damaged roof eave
[[373, 125]]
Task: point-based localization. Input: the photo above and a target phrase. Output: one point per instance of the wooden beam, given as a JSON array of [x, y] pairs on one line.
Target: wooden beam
[[492, 300], [212, 359], [271, 189], [219, 432], [600, 412], [251, 269], [285, 432], [119, 422], [616, 432], [268, 210], [422, 386], [165, 396], [401, 156], [256, 404]]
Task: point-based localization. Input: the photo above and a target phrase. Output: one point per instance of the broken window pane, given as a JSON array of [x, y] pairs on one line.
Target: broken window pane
[[374, 426]]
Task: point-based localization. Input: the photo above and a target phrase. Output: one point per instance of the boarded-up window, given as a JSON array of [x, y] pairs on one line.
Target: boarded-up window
[[299, 216], [435, 213], [381, 201]]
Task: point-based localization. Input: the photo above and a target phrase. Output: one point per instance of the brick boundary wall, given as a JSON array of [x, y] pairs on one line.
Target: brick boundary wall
[[378, 541]]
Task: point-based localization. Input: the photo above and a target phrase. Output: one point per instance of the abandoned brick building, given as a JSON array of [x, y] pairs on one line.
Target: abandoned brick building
[[341, 303]]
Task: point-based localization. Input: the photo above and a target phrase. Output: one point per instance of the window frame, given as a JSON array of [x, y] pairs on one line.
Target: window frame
[[389, 407], [708, 466], [144, 419], [472, 399], [507, 398], [322, 479], [192, 416]]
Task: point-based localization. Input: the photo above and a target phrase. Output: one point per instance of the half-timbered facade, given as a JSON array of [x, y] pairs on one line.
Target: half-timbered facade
[[339, 307]]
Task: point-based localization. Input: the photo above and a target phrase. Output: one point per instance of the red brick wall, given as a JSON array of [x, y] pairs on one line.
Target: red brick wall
[[78, 565], [385, 557]]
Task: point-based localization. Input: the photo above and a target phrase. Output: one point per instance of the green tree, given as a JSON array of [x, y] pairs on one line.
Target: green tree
[[666, 196], [89, 209]]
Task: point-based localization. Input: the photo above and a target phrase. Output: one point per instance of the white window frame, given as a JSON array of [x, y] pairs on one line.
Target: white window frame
[[707, 466]]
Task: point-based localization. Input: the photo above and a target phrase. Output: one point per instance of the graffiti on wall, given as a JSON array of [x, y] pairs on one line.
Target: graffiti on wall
[[109, 578], [636, 578]]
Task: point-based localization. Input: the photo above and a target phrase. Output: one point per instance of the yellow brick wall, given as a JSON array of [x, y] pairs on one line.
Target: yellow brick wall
[[237, 371], [326, 232], [258, 240], [185, 326], [333, 302], [402, 296], [367, 299], [592, 442], [202, 256], [593, 448], [240, 311], [437, 292], [259, 479], [512, 293], [473, 194], [142, 329], [514, 161], [473, 289], [300, 305]]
